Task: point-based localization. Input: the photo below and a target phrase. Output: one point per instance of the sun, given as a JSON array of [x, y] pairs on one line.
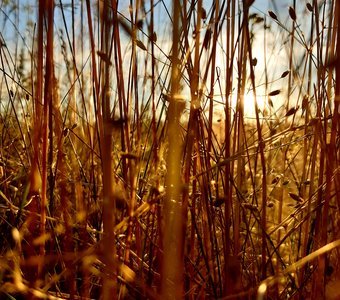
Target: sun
[[249, 104]]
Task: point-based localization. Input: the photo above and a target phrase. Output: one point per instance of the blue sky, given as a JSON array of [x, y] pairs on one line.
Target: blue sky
[[13, 25]]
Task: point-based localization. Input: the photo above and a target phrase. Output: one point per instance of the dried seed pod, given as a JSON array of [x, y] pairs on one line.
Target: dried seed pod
[[270, 102], [295, 197], [274, 93], [140, 23], [270, 204], [272, 15], [153, 37], [276, 180], [66, 132], [128, 155], [104, 57], [284, 74], [250, 207], [291, 111], [207, 38], [203, 14], [292, 13], [140, 45], [305, 102], [309, 7]]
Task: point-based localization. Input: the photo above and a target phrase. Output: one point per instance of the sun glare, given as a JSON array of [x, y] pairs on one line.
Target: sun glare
[[249, 104]]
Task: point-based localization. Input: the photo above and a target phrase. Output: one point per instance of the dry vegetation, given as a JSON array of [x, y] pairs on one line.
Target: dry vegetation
[[130, 169]]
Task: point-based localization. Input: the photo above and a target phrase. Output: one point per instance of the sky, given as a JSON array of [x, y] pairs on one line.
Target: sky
[[17, 27]]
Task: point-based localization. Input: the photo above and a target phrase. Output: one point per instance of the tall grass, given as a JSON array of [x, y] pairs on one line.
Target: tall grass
[[134, 166]]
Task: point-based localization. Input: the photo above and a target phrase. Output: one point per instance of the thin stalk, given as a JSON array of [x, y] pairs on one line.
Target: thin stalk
[[228, 167], [48, 8], [109, 202], [212, 75], [172, 264], [291, 51], [262, 156]]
